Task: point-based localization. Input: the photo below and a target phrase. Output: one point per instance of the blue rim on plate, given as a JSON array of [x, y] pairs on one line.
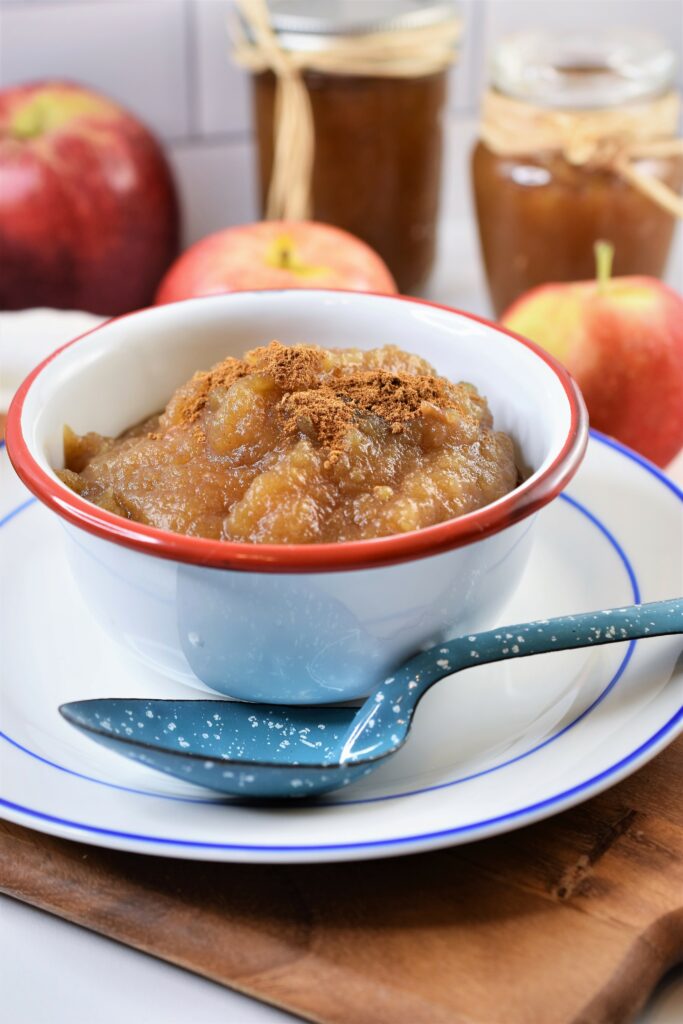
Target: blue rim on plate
[[478, 826]]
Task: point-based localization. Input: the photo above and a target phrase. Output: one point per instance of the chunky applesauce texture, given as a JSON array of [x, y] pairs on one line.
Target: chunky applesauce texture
[[301, 445]]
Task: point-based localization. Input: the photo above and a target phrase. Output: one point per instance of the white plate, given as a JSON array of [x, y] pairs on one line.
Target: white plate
[[492, 749]]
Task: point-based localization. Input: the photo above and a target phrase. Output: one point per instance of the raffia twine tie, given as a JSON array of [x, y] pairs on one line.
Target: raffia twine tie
[[398, 53], [612, 138]]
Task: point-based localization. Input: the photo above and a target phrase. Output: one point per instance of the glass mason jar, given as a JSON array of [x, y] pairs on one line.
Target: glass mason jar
[[378, 138], [547, 185]]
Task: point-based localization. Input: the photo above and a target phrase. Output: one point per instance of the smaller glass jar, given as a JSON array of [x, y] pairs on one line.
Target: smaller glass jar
[[378, 137], [547, 185]]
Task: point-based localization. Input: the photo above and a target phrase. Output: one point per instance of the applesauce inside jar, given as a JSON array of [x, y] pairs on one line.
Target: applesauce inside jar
[[375, 75], [302, 445], [571, 124]]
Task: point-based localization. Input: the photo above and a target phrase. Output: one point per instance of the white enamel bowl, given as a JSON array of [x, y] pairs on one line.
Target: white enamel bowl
[[291, 623]]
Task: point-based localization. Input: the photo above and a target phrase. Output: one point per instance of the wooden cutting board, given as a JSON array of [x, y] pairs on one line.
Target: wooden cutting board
[[571, 920]]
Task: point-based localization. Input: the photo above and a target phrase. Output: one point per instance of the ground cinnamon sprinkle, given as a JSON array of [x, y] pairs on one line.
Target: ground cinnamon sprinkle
[[293, 368], [324, 403], [203, 383], [331, 408]]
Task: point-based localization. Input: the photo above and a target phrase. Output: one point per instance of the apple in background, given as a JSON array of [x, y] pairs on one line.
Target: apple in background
[[276, 254], [88, 210], [622, 340]]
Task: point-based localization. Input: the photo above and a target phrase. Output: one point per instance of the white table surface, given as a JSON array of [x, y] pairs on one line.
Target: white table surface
[[53, 972]]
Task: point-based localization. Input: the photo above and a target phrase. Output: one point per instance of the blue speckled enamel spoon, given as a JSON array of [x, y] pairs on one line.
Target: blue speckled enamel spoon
[[257, 751]]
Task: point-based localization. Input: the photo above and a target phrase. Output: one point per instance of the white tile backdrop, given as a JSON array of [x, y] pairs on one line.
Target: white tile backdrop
[[168, 61]]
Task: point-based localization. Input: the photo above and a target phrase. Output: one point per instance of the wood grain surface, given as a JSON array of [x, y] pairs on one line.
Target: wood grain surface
[[571, 920]]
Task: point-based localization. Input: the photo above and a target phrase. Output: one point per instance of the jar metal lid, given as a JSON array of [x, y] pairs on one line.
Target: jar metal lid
[[582, 71], [310, 24]]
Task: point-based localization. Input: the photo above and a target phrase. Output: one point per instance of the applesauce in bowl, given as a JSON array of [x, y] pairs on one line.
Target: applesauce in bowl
[[293, 621], [298, 445]]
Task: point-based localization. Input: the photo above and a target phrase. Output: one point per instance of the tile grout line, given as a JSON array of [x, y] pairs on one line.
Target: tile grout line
[[210, 140], [192, 107], [479, 50]]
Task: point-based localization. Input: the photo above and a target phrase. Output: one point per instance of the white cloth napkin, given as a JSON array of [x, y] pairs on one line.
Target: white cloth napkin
[[30, 335]]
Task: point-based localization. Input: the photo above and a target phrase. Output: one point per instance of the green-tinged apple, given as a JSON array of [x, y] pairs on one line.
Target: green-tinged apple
[[88, 210], [622, 340], [276, 254]]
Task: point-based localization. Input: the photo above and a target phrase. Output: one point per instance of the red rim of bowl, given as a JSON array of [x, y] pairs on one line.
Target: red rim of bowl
[[291, 558]]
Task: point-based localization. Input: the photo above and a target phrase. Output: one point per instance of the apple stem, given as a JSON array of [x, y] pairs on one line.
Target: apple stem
[[604, 257], [285, 258]]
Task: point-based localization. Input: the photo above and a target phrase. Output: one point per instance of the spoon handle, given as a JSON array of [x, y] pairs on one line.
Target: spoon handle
[[383, 721], [589, 629], [634, 622]]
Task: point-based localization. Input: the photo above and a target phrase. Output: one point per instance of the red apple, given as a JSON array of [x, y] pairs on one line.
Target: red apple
[[622, 339], [88, 211], [276, 254]]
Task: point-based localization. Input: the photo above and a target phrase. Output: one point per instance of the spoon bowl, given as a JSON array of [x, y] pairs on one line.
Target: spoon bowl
[[263, 751], [260, 750]]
